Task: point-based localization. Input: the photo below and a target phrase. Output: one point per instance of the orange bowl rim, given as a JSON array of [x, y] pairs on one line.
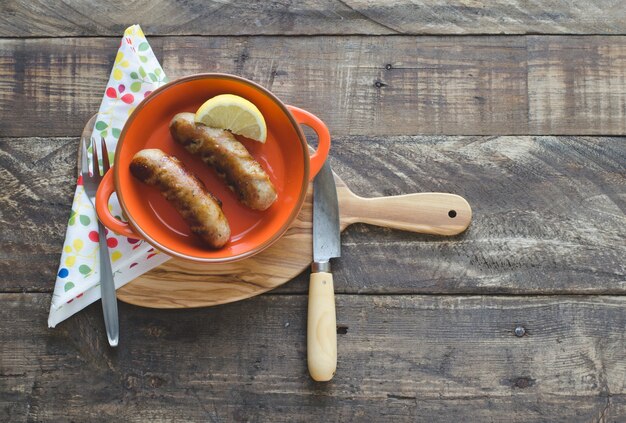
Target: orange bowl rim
[[303, 189]]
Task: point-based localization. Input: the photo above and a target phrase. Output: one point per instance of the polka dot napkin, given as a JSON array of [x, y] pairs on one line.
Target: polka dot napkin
[[136, 73]]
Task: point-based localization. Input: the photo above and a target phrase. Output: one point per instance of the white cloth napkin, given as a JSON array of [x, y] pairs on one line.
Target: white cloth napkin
[[136, 73]]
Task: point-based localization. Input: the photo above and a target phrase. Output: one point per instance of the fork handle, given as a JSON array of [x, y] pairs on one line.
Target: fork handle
[[107, 289]]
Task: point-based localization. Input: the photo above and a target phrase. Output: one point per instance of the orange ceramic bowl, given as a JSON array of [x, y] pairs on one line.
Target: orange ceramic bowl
[[284, 156]]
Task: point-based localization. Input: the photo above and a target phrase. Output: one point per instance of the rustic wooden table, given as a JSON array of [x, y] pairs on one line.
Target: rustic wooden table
[[518, 106]]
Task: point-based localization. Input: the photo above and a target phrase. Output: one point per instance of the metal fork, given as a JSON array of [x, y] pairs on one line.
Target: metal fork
[[91, 180]]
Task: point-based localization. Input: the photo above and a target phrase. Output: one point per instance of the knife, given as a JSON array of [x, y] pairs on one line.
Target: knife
[[321, 321]]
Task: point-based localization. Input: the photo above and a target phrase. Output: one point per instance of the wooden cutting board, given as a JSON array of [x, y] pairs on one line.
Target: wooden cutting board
[[183, 284]]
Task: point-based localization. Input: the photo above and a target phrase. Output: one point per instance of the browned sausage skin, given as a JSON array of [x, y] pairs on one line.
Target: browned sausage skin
[[200, 209], [233, 163]]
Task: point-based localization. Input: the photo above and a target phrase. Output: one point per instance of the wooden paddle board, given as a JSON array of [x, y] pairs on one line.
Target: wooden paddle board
[[182, 284]]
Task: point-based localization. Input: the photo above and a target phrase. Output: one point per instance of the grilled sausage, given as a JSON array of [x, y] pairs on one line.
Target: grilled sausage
[[233, 163], [200, 209]]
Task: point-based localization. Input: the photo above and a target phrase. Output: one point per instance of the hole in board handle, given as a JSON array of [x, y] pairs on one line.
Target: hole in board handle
[[452, 213]]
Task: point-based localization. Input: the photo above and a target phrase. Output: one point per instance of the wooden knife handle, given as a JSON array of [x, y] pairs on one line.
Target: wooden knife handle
[[428, 212], [321, 328]]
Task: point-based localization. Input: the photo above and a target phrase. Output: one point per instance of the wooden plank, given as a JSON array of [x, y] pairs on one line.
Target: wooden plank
[[549, 214], [390, 86], [577, 85], [474, 85], [406, 358], [55, 86], [542, 209], [38, 177], [313, 17]]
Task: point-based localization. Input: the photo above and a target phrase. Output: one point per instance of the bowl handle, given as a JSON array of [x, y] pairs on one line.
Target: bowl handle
[[323, 145], [105, 190]]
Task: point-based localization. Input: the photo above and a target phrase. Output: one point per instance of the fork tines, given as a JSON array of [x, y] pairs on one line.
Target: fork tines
[[105, 156], [96, 163], [84, 159]]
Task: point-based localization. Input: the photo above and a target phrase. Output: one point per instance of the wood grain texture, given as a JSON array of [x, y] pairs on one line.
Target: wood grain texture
[[473, 85], [37, 176], [312, 17], [549, 214], [577, 85], [357, 85], [402, 358], [541, 210], [54, 85]]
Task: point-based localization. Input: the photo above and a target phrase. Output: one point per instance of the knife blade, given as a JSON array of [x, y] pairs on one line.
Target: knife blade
[[321, 321]]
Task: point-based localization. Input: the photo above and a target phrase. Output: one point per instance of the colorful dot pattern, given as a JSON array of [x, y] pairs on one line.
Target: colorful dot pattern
[[135, 74]]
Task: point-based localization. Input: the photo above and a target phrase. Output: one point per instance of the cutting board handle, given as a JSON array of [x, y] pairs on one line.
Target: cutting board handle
[[428, 213]]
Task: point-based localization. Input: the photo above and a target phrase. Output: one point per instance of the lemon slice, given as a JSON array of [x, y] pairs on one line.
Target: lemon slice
[[238, 115]]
